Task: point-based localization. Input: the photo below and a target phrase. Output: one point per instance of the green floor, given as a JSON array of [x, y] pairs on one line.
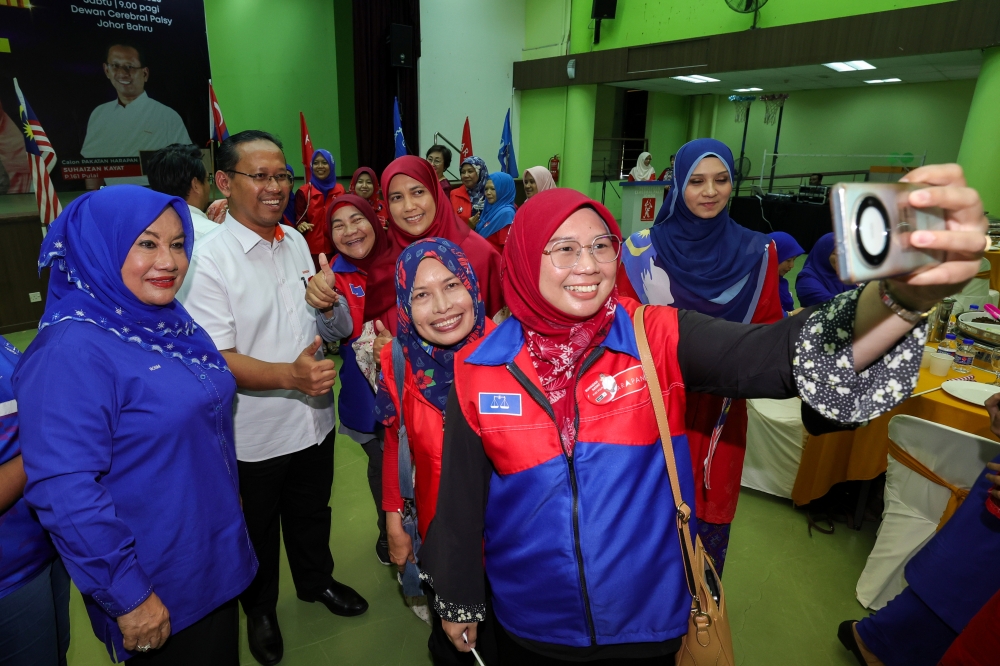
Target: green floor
[[786, 592]]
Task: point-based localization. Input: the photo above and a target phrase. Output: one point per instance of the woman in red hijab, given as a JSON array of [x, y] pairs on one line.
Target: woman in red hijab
[[365, 184], [553, 477], [418, 208]]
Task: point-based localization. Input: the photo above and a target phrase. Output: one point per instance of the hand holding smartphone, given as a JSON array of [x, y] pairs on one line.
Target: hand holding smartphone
[[872, 224]]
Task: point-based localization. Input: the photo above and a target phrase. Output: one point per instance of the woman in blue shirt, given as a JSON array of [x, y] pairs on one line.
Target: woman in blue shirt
[[127, 434], [34, 587]]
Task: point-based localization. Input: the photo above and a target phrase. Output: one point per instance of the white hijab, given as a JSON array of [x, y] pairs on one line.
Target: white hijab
[[640, 171]]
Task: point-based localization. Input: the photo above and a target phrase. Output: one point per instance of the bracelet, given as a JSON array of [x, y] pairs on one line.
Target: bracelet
[[913, 317]]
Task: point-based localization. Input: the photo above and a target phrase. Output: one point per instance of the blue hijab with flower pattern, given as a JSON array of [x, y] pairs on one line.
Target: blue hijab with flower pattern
[[477, 195], [433, 367], [86, 247]]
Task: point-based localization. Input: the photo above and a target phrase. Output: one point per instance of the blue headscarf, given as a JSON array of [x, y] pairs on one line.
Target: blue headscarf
[[324, 185], [787, 248], [706, 257], [477, 195], [498, 215], [817, 282], [86, 247], [433, 367]]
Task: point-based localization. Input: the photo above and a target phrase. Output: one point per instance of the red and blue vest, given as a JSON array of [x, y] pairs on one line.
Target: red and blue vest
[[356, 405], [582, 550]]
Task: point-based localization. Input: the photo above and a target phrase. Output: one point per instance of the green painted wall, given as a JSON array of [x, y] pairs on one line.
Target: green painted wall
[[980, 151], [579, 148], [546, 28], [870, 120], [271, 61], [544, 136], [650, 21], [666, 126], [347, 160]]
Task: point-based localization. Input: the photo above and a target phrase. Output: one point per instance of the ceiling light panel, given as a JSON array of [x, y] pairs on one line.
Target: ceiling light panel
[[859, 64]]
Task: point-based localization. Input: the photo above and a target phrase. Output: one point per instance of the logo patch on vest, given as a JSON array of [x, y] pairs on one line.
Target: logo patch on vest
[[603, 389], [504, 404], [357, 291]]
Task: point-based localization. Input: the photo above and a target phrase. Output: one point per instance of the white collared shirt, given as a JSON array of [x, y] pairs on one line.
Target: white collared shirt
[[202, 223], [122, 131], [249, 295]]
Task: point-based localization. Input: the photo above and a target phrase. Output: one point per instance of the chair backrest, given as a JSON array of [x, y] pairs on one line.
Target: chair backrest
[[954, 455]]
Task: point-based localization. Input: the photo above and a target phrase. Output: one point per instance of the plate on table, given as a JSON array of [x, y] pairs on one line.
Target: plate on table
[[973, 392]]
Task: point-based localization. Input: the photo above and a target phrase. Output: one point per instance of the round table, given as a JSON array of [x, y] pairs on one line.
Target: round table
[[861, 455]]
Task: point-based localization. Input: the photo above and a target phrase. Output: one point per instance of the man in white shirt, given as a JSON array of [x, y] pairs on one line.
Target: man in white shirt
[[246, 287], [178, 170], [133, 121]]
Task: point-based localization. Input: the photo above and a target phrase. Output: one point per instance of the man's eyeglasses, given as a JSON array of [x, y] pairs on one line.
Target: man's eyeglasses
[[123, 69], [261, 179], [566, 253]]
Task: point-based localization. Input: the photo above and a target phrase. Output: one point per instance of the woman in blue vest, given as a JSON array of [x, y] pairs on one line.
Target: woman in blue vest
[[552, 475], [127, 434]]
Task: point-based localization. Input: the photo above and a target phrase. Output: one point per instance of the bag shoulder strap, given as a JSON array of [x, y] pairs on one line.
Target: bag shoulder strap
[[683, 511], [405, 465]]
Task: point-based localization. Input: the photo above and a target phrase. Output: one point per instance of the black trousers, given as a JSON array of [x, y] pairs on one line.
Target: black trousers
[[373, 449], [289, 495], [214, 640], [513, 653]]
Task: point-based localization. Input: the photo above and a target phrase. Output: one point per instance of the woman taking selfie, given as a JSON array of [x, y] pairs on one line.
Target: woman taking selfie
[[553, 477]]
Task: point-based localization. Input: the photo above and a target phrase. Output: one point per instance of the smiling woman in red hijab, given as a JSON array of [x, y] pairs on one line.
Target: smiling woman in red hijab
[[419, 209], [368, 188], [553, 475]]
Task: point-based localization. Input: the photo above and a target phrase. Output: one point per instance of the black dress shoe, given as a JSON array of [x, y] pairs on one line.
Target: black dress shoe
[[382, 552], [264, 637], [340, 599], [845, 632]]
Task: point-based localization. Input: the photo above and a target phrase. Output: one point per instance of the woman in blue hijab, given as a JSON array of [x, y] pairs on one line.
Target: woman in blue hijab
[[127, 434], [311, 204], [494, 223], [818, 282], [696, 257], [788, 251]]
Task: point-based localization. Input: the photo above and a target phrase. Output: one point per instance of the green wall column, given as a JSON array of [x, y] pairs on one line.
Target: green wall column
[[694, 120], [979, 153], [581, 103]]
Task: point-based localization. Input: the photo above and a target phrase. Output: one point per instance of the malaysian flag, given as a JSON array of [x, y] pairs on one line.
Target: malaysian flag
[[42, 159], [219, 131]]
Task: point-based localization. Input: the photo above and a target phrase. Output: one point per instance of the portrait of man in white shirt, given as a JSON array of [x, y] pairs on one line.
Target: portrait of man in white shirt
[[132, 122]]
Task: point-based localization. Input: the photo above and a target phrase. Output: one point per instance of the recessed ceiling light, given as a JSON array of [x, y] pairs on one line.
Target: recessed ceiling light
[[748, 90], [860, 64], [893, 80], [850, 66], [695, 78], [875, 81]]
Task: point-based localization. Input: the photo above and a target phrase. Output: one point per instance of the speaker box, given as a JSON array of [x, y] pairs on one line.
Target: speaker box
[[604, 9], [400, 45]]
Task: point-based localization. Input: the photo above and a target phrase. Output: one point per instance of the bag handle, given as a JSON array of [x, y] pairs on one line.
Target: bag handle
[[656, 395]]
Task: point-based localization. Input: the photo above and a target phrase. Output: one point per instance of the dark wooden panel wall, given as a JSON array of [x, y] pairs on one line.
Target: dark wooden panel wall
[[22, 236], [942, 28]]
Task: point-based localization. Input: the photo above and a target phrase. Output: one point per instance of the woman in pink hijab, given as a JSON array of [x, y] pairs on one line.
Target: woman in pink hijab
[[537, 179]]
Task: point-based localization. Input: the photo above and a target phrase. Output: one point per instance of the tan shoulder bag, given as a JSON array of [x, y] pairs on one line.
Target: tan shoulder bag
[[708, 640]]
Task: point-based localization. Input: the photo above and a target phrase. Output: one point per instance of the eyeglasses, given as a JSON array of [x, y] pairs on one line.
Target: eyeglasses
[[262, 179], [566, 253], [123, 69]]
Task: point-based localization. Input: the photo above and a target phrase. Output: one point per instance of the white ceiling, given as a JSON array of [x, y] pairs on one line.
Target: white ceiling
[[911, 69]]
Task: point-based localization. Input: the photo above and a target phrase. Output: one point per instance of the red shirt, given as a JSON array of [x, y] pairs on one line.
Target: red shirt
[[310, 200], [461, 202]]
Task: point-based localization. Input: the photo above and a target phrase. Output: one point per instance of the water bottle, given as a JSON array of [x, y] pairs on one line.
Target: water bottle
[[974, 309], [947, 346], [964, 357]]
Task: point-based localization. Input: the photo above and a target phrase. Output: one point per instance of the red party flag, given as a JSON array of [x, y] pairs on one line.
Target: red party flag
[[307, 147], [219, 131], [467, 140]]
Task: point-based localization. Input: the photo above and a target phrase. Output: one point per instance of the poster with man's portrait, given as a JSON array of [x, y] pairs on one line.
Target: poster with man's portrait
[[109, 80]]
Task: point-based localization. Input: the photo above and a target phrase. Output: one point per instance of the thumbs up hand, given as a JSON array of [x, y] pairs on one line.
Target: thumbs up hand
[[310, 376], [381, 340], [320, 293]]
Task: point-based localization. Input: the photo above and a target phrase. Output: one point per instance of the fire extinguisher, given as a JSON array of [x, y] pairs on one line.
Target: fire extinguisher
[[554, 167]]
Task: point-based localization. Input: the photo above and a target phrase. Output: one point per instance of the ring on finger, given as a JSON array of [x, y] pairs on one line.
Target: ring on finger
[[144, 648]]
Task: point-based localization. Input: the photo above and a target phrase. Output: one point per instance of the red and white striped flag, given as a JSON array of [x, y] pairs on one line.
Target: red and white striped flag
[[42, 159]]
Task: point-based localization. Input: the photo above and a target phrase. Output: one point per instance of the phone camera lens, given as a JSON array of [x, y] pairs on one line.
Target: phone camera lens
[[871, 229]]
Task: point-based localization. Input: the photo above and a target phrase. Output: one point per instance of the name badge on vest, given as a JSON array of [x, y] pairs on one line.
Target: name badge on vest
[[357, 291], [504, 404], [604, 389]]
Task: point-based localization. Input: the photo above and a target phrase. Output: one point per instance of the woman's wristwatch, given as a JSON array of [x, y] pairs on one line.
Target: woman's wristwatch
[[913, 317]]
